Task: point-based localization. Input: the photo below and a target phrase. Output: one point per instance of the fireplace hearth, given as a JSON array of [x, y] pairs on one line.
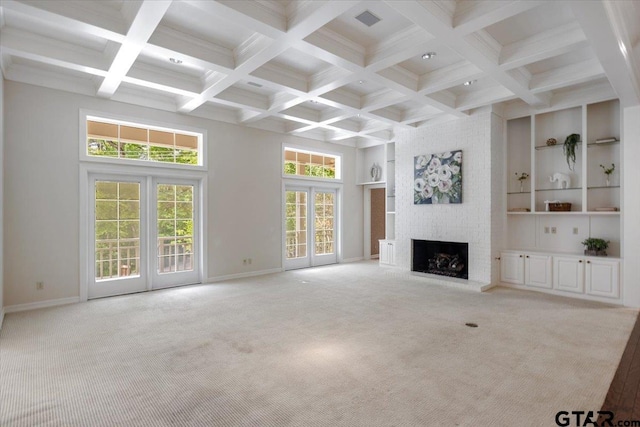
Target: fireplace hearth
[[442, 258]]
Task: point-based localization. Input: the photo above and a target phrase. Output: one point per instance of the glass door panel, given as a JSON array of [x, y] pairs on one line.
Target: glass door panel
[[296, 233], [117, 231], [309, 243], [176, 255], [324, 228]]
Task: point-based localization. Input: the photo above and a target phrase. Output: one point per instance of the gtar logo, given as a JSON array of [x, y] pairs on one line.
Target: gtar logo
[[584, 418]]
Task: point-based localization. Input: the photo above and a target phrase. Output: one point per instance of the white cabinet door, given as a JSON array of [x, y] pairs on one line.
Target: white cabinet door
[[384, 252], [603, 278], [512, 268], [568, 274], [537, 269], [387, 252]]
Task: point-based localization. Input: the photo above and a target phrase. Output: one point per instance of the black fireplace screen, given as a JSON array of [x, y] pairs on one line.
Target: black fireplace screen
[[443, 258]]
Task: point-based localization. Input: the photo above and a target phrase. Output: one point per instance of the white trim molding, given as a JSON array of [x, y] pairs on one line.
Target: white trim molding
[[242, 275], [41, 304]]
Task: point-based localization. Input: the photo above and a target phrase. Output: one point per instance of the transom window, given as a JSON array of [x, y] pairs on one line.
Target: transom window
[[310, 164], [123, 140]]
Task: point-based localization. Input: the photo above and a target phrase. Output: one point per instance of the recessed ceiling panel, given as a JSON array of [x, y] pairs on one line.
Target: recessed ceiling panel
[[443, 58], [300, 62], [391, 23], [215, 29], [573, 57], [478, 85], [150, 57], [53, 31], [548, 16]]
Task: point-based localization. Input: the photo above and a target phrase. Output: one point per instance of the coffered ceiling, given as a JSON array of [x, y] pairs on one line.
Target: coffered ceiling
[[313, 69]]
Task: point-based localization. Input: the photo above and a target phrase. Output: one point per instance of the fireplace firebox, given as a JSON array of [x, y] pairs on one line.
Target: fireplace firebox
[[449, 259]]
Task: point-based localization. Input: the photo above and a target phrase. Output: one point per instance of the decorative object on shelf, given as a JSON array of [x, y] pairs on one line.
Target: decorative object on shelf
[[519, 210], [563, 180], [559, 207], [606, 140], [595, 246], [607, 209], [548, 202], [551, 141], [569, 149], [376, 172], [522, 176], [608, 171], [438, 178]]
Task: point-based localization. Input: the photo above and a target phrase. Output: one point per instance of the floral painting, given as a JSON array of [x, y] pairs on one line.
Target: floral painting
[[438, 178]]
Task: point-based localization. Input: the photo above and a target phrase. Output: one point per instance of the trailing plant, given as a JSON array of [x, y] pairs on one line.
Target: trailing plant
[[608, 171], [595, 244], [569, 149]]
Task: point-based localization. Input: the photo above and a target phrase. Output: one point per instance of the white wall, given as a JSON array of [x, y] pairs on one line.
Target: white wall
[[1, 197], [480, 139], [42, 185], [631, 207]]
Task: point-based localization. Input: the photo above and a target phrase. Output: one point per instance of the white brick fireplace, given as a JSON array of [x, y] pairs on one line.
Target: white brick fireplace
[[479, 220]]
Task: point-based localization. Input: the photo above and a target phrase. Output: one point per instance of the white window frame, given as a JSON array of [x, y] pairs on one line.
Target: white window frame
[[90, 165], [140, 122], [300, 148]]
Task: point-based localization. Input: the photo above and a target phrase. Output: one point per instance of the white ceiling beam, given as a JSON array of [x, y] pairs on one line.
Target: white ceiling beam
[[447, 77], [547, 44], [411, 43], [170, 43], [52, 80], [244, 99], [484, 97], [595, 18], [566, 76], [304, 25], [144, 24], [472, 16], [190, 85], [255, 21], [53, 52], [84, 17], [382, 99], [623, 15], [478, 48]]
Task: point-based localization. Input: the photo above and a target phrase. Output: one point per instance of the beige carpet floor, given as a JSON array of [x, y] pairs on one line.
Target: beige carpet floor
[[346, 345]]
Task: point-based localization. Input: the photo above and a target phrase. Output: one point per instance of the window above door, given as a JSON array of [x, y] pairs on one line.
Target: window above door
[[301, 163], [106, 138]]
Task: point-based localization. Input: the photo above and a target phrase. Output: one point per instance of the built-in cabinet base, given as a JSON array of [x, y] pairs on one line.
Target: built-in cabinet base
[[594, 278], [388, 252]]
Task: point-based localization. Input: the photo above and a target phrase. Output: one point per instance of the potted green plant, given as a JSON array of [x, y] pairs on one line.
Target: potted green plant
[[595, 246], [569, 149], [608, 171], [521, 176]]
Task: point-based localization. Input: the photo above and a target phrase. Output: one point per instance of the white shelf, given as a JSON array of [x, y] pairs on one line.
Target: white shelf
[[371, 183], [566, 213], [527, 153]]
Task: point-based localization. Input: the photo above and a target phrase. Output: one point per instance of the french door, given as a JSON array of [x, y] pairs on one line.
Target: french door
[[144, 234], [310, 227]]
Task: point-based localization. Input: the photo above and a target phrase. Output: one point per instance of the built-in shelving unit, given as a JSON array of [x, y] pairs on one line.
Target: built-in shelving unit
[[588, 190], [390, 150], [384, 156]]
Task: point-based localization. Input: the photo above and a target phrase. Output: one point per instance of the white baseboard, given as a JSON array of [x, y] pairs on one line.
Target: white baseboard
[[243, 275], [40, 304], [344, 261]]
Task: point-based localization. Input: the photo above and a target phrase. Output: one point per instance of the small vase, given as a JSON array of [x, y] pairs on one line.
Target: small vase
[[521, 187], [608, 182]]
